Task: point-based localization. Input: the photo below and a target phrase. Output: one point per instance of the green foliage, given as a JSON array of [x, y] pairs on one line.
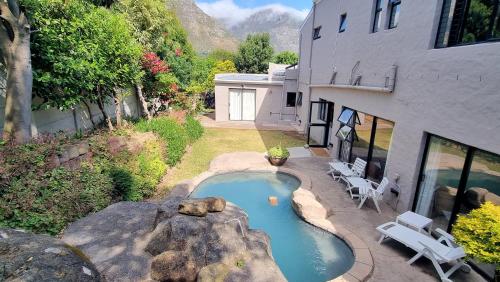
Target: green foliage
[[194, 129], [240, 263], [286, 58], [169, 130], [254, 54], [222, 55], [200, 73], [220, 67], [135, 175], [39, 198], [278, 152], [80, 52], [479, 233]]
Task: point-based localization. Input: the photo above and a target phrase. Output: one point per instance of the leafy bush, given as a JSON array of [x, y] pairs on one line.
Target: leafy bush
[[479, 233], [46, 203], [134, 174], [169, 130], [278, 152], [194, 129]]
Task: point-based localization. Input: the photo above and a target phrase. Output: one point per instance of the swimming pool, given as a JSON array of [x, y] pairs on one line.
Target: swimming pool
[[302, 251]]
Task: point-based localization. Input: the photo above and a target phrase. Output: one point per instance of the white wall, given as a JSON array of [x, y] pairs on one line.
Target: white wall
[[451, 92], [53, 120], [268, 100]]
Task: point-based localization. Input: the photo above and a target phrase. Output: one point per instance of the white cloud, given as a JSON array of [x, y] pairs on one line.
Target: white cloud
[[231, 14]]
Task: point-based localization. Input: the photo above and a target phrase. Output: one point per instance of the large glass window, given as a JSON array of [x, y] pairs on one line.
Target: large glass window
[[455, 179], [291, 98], [468, 21], [439, 180], [343, 23], [394, 10], [369, 140], [377, 15], [381, 144]]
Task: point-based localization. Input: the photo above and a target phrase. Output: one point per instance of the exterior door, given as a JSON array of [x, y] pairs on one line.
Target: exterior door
[[241, 104], [320, 119]]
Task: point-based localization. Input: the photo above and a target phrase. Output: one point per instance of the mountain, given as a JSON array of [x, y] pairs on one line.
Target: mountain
[[282, 26], [204, 32]]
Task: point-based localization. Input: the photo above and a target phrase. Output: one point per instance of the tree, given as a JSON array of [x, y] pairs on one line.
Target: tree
[[286, 58], [221, 55], [15, 55], [254, 54], [220, 67], [81, 53], [202, 66]]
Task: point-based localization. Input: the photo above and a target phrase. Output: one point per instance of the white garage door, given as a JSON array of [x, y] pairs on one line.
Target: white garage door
[[242, 104]]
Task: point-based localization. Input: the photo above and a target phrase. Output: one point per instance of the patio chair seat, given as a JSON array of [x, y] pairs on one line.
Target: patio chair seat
[[438, 251]]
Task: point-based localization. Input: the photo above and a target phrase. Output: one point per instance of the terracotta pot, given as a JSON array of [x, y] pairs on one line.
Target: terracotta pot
[[275, 161]]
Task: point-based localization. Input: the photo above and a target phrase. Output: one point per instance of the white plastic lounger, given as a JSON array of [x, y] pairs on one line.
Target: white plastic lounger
[[440, 251], [347, 170]]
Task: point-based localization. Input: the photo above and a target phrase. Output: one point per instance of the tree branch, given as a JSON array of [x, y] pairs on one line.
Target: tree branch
[[7, 29]]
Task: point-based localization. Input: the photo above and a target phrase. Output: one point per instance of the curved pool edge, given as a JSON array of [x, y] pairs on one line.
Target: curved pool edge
[[363, 266]]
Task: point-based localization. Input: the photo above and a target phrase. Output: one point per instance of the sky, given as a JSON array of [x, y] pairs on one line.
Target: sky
[[234, 11]]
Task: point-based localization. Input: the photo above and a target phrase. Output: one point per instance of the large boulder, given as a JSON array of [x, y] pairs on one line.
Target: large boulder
[[115, 238], [306, 206], [215, 204], [220, 240], [29, 257], [194, 207]]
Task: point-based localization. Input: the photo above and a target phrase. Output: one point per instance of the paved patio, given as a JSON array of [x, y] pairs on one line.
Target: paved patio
[[208, 120], [389, 257]]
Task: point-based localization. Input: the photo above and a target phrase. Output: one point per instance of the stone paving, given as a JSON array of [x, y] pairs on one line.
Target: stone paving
[[389, 258]]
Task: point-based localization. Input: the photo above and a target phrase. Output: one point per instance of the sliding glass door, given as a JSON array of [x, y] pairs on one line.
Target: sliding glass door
[[242, 104], [456, 179]]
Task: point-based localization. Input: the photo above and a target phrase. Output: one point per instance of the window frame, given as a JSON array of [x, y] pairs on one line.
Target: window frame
[[462, 27], [316, 33], [289, 105], [377, 12], [299, 99], [393, 4], [343, 23]]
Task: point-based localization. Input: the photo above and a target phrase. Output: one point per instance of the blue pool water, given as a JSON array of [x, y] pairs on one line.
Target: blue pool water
[[302, 251]]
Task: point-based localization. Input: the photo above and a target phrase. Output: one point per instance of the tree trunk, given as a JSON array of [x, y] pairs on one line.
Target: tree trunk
[[16, 55], [142, 102], [105, 115], [90, 113], [118, 108]]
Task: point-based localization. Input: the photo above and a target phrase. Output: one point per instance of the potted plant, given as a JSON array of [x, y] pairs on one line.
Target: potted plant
[[479, 234], [278, 155]]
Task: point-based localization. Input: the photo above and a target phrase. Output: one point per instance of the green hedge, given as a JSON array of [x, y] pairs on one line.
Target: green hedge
[[176, 136], [194, 129]]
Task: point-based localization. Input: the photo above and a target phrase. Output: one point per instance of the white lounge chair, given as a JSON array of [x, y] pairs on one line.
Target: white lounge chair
[[345, 170], [440, 251], [376, 194]]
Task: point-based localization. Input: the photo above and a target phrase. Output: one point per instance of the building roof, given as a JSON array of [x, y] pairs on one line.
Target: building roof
[[247, 78]]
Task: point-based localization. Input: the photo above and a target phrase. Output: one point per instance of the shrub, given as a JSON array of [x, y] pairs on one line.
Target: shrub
[[194, 129], [172, 132], [134, 174], [46, 203], [278, 152], [479, 233]]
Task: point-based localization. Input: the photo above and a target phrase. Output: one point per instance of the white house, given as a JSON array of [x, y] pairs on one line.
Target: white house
[[415, 87], [260, 98]]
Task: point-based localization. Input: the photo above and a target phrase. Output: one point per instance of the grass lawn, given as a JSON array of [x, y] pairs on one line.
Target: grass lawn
[[217, 141]]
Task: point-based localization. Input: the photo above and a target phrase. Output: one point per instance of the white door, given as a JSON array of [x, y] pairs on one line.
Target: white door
[[241, 104], [235, 102], [248, 105]]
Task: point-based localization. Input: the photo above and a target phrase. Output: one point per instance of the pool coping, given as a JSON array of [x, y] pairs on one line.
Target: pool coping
[[363, 266]]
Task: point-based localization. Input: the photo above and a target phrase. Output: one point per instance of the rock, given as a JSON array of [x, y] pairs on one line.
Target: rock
[[307, 207], [194, 208], [73, 151], [83, 148], [168, 208], [115, 238], [215, 272], [215, 204], [28, 257], [173, 266]]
